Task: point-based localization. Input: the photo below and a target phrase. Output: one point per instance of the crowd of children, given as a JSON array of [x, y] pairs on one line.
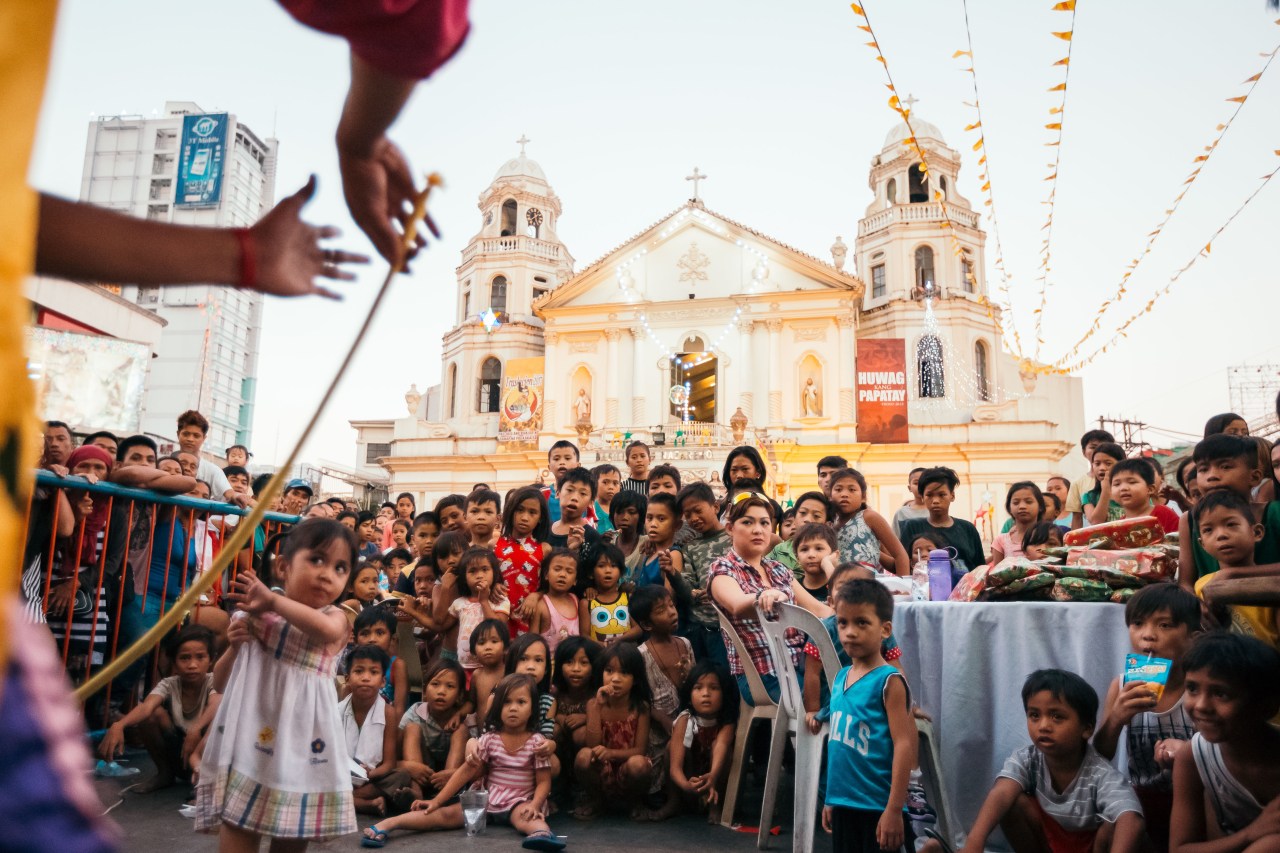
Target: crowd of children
[[561, 644]]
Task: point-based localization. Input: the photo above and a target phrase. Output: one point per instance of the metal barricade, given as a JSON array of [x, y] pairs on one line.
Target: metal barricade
[[103, 562]]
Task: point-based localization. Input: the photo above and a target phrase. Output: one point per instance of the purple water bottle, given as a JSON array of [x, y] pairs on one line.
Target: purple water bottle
[[939, 575]]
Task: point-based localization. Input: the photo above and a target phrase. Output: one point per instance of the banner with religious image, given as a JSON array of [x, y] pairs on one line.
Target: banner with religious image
[[520, 409], [882, 391], [90, 382]]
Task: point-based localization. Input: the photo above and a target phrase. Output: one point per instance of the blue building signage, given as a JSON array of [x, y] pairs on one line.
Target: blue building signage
[[204, 142]]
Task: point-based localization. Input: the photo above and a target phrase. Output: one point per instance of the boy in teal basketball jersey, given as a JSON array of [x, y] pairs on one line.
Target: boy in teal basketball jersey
[[872, 745]]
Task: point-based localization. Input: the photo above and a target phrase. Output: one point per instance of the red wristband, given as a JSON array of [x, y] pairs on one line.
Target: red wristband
[[248, 258]]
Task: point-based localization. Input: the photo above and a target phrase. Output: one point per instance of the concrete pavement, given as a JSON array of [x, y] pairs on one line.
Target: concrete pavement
[[151, 824]]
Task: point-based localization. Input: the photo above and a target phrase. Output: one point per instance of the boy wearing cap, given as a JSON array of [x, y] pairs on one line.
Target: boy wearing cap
[[296, 494]]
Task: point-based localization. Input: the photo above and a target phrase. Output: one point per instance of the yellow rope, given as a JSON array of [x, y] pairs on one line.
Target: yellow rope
[[244, 530]]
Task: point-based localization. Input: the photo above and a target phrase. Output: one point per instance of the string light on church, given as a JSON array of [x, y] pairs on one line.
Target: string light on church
[[936, 353]]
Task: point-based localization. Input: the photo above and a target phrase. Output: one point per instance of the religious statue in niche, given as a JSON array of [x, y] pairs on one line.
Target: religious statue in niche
[[810, 388], [582, 406]]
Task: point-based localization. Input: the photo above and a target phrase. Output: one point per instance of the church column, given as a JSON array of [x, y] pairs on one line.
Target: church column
[[639, 378], [775, 372], [760, 377], [745, 377], [611, 374], [664, 400], [626, 358], [550, 368], [847, 369]]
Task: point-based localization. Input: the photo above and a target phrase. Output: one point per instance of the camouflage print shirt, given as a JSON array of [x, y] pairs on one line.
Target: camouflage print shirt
[[699, 553]]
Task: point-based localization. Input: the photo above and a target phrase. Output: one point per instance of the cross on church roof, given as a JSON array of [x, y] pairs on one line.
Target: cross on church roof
[[910, 100], [696, 177], [522, 142]]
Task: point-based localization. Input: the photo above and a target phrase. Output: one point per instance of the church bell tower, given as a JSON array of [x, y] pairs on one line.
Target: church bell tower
[[514, 260], [922, 285]]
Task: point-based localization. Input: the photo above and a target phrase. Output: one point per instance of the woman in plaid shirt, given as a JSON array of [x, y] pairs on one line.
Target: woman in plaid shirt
[[744, 579]]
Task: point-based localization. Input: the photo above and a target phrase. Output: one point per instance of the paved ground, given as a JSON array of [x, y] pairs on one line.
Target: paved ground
[[152, 824]]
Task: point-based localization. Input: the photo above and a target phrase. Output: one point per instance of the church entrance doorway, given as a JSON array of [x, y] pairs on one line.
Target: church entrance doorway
[[695, 372]]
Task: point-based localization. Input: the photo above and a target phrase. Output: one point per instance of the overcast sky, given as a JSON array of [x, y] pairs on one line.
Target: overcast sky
[[783, 106]]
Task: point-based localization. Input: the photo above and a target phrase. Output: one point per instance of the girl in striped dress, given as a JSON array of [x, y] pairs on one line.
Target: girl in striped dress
[[516, 773], [276, 762]]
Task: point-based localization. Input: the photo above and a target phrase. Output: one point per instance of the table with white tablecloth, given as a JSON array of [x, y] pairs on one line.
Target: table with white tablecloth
[[965, 663]]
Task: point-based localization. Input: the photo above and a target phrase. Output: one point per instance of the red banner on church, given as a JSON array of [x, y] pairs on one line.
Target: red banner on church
[[882, 391]]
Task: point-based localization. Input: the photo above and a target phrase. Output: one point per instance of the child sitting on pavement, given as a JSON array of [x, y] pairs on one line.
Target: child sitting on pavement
[[1059, 794]]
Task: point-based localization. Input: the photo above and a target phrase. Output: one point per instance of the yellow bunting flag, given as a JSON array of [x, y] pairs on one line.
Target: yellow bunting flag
[[1066, 60], [858, 9], [960, 53], [1054, 126], [1238, 99], [1254, 78], [1064, 36], [974, 126], [1065, 6], [1061, 87]]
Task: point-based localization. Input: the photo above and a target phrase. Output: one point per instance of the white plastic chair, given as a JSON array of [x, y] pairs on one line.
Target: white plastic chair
[[764, 710], [808, 745]]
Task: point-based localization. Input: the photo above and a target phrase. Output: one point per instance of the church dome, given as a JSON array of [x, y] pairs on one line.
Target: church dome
[[521, 166], [924, 130]]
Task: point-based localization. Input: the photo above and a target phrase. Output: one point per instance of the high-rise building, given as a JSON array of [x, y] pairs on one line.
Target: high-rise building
[[190, 167]]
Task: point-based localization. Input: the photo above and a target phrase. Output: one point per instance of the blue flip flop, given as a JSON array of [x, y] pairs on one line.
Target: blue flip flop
[[545, 841], [378, 839]]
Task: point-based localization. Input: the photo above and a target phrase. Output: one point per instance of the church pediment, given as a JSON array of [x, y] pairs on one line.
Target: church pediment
[[696, 253]]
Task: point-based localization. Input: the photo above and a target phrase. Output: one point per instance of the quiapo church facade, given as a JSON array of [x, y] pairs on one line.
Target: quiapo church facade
[[701, 333]]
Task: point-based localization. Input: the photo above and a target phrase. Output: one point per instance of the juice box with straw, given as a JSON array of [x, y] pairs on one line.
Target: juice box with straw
[[1152, 670]]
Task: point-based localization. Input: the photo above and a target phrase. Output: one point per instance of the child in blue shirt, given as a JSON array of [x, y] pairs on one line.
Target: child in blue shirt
[[817, 693], [872, 745]]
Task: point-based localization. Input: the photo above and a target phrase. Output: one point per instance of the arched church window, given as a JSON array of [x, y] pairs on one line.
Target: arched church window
[[498, 296], [931, 378], [453, 390], [925, 283], [891, 192], [966, 274], [509, 218], [489, 386], [980, 371], [942, 185], [534, 217], [917, 185]]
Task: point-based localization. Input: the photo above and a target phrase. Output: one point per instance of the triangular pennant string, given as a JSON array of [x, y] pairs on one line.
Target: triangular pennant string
[[1200, 161], [1059, 111], [980, 146], [1164, 291], [911, 141]]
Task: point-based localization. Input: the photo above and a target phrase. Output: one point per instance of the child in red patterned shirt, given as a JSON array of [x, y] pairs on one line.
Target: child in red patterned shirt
[[521, 550]]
